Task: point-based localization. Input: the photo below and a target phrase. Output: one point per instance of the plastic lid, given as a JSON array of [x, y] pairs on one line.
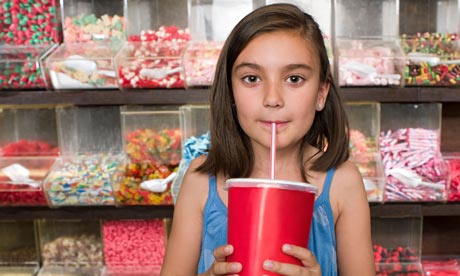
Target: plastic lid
[[270, 183]]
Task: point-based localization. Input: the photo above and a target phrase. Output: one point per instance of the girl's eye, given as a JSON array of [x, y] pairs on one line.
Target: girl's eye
[[250, 79], [294, 79]]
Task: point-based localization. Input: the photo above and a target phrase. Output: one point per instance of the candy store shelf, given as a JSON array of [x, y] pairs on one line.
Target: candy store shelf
[[86, 212], [408, 209], [149, 212], [184, 96]]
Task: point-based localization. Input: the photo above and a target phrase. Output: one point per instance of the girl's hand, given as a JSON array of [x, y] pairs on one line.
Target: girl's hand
[[310, 265], [220, 266]]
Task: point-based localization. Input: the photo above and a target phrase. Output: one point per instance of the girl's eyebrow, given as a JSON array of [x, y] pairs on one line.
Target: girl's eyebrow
[[298, 66], [248, 64], [288, 67]]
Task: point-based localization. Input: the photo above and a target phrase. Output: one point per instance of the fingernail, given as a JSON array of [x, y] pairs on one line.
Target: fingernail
[[268, 264], [286, 247], [235, 267], [228, 249]]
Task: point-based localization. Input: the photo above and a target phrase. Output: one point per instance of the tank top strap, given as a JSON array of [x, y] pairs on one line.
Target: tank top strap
[[324, 196]]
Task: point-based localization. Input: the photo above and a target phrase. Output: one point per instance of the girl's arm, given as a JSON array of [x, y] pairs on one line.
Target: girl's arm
[[184, 243], [353, 229]]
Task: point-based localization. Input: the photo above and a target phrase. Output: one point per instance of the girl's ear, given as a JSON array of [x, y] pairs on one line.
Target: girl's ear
[[322, 95]]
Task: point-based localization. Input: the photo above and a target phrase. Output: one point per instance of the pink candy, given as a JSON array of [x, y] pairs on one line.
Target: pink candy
[[134, 243], [413, 165]]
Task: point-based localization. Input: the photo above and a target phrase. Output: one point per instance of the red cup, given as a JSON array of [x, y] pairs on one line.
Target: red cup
[[263, 215]]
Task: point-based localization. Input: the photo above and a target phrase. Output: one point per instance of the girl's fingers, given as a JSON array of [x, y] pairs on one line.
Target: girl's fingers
[[226, 268], [221, 252], [310, 265], [220, 266], [304, 255]]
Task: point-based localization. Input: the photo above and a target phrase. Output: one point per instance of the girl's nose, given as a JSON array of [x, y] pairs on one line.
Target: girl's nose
[[273, 95]]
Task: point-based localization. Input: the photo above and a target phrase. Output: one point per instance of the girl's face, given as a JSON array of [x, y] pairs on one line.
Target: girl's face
[[276, 79]]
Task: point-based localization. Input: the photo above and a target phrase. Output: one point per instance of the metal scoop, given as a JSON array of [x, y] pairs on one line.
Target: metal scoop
[[158, 73]]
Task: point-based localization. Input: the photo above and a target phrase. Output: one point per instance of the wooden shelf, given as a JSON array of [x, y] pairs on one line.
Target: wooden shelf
[[150, 212], [190, 96]]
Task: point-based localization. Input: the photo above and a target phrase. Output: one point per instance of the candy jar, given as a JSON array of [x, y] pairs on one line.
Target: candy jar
[[70, 246], [364, 122], [79, 66], [152, 144], [28, 150], [18, 248], [21, 67], [90, 142], [409, 145], [87, 21]]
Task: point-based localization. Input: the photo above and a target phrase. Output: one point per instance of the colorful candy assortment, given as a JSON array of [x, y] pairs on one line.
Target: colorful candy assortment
[[88, 27], [20, 67], [364, 153], [364, 64], [433, 59], [454, 166], [82, 180], [133, 243], [200, 60], [151, 155], [76, 65], [399, 261], [74, 250], [153, 59], [29, 22], [413, 165]]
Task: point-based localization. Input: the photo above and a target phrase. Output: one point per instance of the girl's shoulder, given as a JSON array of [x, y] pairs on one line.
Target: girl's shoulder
[[347, 186], [194, 187]]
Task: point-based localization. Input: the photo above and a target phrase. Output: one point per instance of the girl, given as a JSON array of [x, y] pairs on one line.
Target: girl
[[274, 68]]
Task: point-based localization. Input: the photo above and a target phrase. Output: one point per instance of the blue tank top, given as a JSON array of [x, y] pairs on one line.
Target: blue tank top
[[322, 234]]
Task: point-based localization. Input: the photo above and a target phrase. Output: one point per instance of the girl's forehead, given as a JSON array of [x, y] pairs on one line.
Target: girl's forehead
[[285, 44]]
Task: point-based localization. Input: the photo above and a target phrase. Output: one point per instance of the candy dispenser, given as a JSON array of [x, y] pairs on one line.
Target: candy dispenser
[[90, 142], [370, 62], [80, 66], [18, 248], [194, 123], [30, 22], [453, 162], [152, 143], [214, 20], [87, 21], [153, 64], [433, 59], [157, 39], [200, 60], [364, 121], [397, 246], [429, 36], [409, 146], [21, 66], [69, 246], [28, 149], [364, 18], [133, 247]]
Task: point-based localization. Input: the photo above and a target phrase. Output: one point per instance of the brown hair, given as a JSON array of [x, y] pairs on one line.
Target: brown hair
[[231, 151]]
